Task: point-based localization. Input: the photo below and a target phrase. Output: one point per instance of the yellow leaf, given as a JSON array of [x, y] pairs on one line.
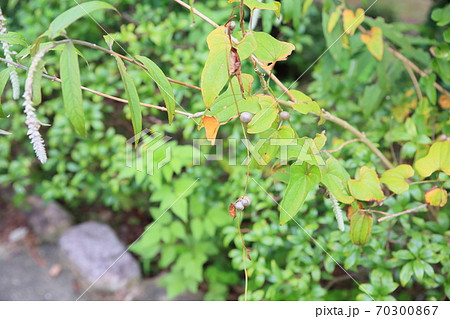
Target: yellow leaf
[[211, 125], [444, 101], [367, 188], [352, 20], [374, 42], [436, 197], [334, 17]]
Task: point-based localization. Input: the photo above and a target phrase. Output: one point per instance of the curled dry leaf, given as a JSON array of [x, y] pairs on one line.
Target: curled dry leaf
[[232, 211], [236, 68]]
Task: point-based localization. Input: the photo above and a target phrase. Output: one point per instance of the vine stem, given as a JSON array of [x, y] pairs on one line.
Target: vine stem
[[328, 116], [408, 211], [244, 257], [107, 96]]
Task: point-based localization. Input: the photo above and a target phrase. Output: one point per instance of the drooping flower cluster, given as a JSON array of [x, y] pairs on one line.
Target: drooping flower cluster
[[337, 212], [32, 121], [8, 56]]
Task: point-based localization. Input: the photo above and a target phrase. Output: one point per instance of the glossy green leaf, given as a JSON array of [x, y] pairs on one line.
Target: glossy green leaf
[[303, 178], [274, 6], [360, 228], [335, 178], [133, 98], [438, 158], [73, 14], [215, 73], [406, 273], [395, 178], [71, 88], [14, 38], [158, 76], [418, 268], [270, 50], [367, 187], [4, 76], [262, 120]]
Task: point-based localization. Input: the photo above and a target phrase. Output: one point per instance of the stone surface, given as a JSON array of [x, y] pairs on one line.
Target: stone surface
[[47, 220], [22, 278], [92, 248]]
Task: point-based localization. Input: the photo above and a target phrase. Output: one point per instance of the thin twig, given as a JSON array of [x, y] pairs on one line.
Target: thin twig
[[408, 211], [343, 145], [414, 80], [110, 97]]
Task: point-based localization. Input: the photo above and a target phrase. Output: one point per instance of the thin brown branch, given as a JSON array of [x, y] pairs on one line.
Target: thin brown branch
[[416, 69], [343, 145], [97, 47], [411, 65], [110, 97], [408, 211], [414, 80]]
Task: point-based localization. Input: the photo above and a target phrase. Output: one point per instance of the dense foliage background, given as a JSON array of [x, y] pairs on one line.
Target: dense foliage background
[[405, 259]]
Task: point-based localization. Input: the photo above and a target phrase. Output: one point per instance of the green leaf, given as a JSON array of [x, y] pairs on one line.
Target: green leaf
[[163, 84], [430, 90], [271, 50], [274, 6], [224, 107], [303, 178], [133, 98], [306, 5], [14, 38], [215, 73], [360, 228], [73, 14], [305, 104], [441, 15], [37, 84], [71, 88], [438, 158], [335, 178], [404, 254], [4, 76], [262, 120], [395, 178], [246, 46], [406, 273], [419, 269], [367, 187]]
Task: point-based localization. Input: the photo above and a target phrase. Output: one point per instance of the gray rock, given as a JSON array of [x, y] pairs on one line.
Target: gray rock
[[22, 278], [47, 220], [93, 251]]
